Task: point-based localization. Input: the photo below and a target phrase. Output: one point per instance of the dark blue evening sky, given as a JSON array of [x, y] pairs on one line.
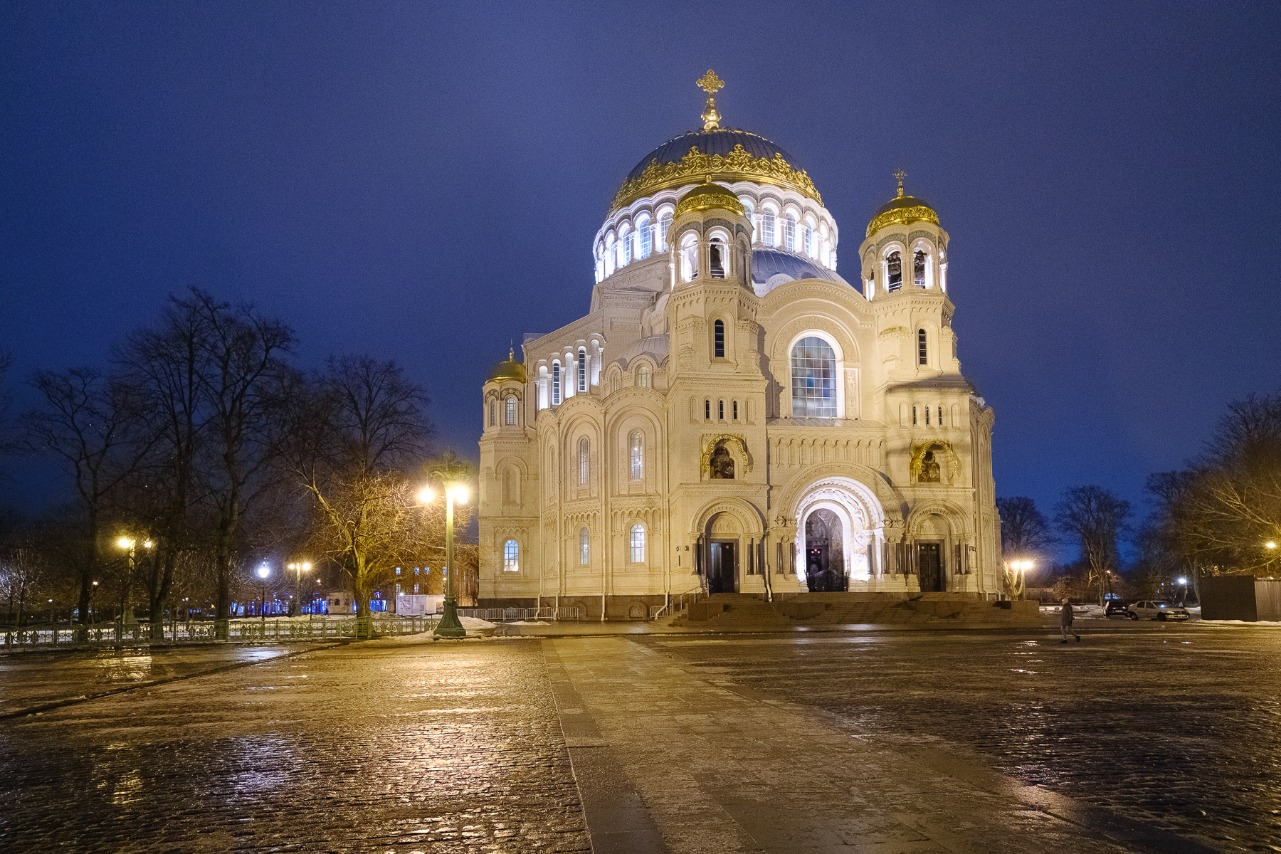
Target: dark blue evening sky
[[422, 181]]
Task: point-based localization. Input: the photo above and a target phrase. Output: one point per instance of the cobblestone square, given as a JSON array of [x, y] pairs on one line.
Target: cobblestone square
[[1152, 738]]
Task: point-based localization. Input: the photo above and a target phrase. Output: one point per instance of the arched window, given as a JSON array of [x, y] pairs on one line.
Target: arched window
[[922, 350], [664, 223], [510, 414], [689, 257], [646, 232], [643, 377], [624, 247], [789, 233], [894, 268], [511, 556], [809, 240], [611, 255], [813, 378], [636, 455], [555, 383], [718, 339], [493, 413], [584, 547], [584, 461], [918, 269], [582, 369], [707, 410], [636, 543], [716, 258], [720, 410], [767, 227], [736, 410]]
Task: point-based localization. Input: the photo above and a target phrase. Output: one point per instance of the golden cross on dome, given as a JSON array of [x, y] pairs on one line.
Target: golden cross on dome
[[900, 175], [711, 84]]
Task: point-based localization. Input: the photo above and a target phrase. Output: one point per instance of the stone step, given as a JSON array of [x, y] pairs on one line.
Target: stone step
[[730, 610]]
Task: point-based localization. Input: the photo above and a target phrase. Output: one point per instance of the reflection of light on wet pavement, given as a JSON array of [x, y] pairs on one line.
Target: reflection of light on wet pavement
[[259, 764], [127, 788]]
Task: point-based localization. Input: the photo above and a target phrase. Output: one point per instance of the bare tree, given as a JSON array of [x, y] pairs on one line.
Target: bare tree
[[1218, 514], [1096, 519], [1025, 535], [246, 384], [93, 426], [161, 365], [356, 442]]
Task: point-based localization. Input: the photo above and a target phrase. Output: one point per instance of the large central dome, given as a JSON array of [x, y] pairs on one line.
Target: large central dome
[[717, 154]]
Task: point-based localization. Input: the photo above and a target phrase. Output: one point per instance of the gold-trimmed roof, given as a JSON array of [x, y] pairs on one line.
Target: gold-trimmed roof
[[706, 197], [508, 369], [901, 210], [702, 162]]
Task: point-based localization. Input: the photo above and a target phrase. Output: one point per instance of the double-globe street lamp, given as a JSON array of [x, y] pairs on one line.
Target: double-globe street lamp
[[130, 545], [455, 493], [298, 568], [1016, 573]]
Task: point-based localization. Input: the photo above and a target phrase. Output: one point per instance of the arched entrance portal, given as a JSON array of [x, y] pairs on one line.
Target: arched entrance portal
[[824, 552], [722, 554], [840, 526]]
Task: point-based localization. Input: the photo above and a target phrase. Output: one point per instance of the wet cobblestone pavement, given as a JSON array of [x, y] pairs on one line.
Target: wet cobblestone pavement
[[1177, 727], [368, 747], [1141, 738]]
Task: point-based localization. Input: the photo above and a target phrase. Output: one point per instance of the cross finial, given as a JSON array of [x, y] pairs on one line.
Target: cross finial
[[900, 175], [711, 84]]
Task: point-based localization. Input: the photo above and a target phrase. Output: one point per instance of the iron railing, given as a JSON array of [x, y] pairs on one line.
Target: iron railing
[[203, 631], [572, 613]]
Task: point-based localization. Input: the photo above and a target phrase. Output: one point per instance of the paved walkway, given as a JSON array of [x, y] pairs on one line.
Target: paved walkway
[[720, 769], [601, 743]]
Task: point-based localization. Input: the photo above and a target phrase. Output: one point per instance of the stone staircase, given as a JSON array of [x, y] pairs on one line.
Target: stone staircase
[[742, 612]]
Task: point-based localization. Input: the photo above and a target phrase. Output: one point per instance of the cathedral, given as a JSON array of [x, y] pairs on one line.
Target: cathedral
[[731, 415]]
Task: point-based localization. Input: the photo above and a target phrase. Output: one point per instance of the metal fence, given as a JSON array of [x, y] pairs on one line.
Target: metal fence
[[239, 631], [511, 615]]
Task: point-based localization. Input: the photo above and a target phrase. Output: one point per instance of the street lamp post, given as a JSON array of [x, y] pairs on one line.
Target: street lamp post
[[455, 492], [298, 568], [1017, 576], [130, 545], [264, 572]]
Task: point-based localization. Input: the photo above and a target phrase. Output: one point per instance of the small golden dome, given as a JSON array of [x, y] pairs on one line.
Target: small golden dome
[[901, 210], [709, 196], [508, 369]]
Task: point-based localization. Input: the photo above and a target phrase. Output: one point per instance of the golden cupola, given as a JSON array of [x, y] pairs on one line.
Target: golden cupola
[[905, 249]]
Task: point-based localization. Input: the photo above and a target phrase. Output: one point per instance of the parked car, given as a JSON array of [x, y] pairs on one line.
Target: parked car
[[1156, 609], [1116, 608]]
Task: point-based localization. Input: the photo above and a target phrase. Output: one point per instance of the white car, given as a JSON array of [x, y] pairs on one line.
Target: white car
[[1156, 609]]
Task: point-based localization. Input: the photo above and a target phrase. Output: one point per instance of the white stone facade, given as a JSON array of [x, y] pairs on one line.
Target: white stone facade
[[708, 427]]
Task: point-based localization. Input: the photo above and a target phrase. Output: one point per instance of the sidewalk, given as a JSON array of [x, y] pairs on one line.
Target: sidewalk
[[670, 760]]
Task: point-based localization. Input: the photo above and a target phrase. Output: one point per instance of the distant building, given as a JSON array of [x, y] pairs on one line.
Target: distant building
[[733, 415]]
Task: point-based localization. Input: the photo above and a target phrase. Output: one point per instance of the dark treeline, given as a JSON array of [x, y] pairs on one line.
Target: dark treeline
[[199, 450], [1219, 515]]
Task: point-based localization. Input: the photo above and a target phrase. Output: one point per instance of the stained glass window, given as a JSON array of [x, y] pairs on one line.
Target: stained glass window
[[813, 378]]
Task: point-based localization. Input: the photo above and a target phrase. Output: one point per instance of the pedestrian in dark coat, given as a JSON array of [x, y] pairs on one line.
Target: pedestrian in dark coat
[[1065, 621]]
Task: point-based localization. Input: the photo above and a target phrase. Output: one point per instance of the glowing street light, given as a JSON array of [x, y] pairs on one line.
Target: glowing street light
[[455, 493], [298, 568], [1017, 571], [264, 572], [130, 545]]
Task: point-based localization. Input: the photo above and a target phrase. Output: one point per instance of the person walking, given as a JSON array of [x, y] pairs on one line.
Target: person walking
[[1065, 621]]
